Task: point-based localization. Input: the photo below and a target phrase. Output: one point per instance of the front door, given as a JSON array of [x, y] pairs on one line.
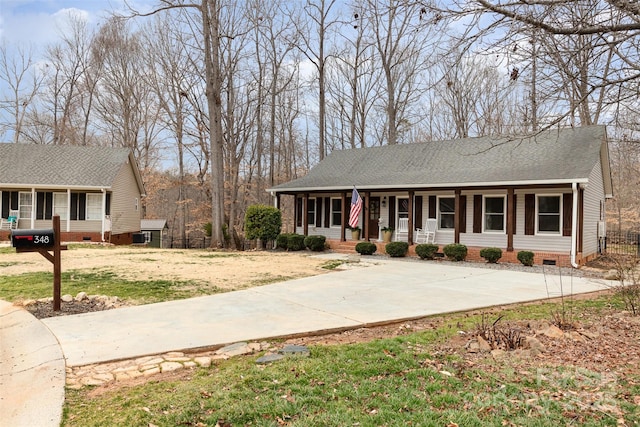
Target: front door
[[374, 217]]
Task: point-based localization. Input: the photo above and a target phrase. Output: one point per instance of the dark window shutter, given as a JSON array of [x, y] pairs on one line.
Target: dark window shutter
[[418, 218], [462, 226], [392, 211], [74, 207], [14, 200], [529, 214], [6, 199], [515, 214], [82, 206], [299, 211], [48, 209], [327, 212], [432, 207], [319, 212], [39, 205], [108, 207], [477, 213], [567, 210]]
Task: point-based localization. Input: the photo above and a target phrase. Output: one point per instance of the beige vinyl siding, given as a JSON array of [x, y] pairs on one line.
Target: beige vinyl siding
[[593, 196], [124, 193], [487, 239], [539, 242]]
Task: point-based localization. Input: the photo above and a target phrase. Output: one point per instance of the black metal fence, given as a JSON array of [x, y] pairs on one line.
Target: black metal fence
[[622, 242]]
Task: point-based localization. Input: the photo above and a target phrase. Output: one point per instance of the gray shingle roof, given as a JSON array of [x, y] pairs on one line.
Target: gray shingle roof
[[567, 155], [153, 224], [60, 165]]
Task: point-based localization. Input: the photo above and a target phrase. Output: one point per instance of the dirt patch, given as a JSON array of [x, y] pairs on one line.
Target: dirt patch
[[223, 269]]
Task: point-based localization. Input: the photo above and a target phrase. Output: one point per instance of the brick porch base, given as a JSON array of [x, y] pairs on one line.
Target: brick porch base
[[473, 253]]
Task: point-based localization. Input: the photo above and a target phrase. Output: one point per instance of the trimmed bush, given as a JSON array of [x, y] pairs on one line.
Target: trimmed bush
[[455, 251], [366, 248], [492, 255], [262, 222], [397, 249], [315, 243], [426, 250], [526, 258], [295, 242], [282, 240]]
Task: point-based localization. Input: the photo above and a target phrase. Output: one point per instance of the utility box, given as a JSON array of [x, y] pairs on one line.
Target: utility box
[[32, 239]]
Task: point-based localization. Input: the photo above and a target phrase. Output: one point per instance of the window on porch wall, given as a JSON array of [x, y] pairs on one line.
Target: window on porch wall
[[336, 212], [311, 212], [403, 207], [446, 212], [60, 205], [94, 206], [25, 205], [549, 214], [494, 217]]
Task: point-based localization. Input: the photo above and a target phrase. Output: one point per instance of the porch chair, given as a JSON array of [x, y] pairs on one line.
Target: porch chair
[[428, 233], [403, 227], [11, 222]]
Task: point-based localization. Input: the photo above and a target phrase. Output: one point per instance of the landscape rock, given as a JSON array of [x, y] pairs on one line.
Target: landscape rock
[[66, 298], [269, 358], [81, 296], [483, 345], [236, 349], [553, 332]]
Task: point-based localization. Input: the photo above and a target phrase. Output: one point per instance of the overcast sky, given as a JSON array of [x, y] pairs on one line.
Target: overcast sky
[[38, 22]]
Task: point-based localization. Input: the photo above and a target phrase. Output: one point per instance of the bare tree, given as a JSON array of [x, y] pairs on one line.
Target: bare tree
[[21, 76]]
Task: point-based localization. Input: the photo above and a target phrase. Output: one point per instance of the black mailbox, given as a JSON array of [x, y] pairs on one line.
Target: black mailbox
[[37, 239]]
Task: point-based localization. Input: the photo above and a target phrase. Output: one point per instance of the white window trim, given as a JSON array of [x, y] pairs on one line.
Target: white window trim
[[315, 206], [66, 206], [98, 203], [504, 213], [331, 212], [549, 233], [445, 230]]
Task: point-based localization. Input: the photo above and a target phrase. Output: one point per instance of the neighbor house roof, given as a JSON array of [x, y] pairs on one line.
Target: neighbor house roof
[[153, 224], [550, 157], [63, 166]]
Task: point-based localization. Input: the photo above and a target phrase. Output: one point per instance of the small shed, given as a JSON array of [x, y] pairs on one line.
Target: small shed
[[153, 231]]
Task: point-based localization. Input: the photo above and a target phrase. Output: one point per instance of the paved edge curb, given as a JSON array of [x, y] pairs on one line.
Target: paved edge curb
[[32, 370]]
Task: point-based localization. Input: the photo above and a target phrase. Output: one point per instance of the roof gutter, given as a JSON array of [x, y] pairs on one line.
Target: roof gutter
[[429, 186], [574, 225]]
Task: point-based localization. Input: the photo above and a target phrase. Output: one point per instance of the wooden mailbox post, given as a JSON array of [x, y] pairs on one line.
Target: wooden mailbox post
[[43, 241]]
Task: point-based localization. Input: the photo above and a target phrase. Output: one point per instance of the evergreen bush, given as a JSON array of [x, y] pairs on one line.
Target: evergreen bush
[[315, 243], [526, 258], [262, 222], [426, 250], [492, 255], [366, 248], [397, 249], [295, 242], [455, 251]]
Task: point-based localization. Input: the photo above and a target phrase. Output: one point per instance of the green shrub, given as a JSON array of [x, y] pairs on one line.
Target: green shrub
[[526, 258], [397, 249], [426, 250], [366, 248], [455, 251], [492, 255], [282, 240], [315, 243], [262, 222], [295, 242]]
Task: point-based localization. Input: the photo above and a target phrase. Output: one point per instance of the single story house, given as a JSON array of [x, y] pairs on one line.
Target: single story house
[[153, 231], [543, 193], [96, 191]]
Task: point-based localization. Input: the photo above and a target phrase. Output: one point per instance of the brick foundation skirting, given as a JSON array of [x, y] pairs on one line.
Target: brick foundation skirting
[[473, 254]]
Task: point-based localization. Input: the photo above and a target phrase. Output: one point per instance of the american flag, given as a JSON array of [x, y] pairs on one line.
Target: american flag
[[356, 208]]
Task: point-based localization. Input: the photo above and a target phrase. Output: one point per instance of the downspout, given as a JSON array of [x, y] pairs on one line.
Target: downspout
[[574, 225], [104, 213]]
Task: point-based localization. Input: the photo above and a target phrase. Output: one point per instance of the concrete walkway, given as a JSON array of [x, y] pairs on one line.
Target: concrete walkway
[[32, 369]]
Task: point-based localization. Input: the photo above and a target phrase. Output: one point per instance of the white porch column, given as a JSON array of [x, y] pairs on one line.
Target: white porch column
[[68, 210], [33, 208], [104, 213]]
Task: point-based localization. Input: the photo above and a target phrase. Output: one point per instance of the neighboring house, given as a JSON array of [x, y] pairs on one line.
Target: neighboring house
[[153, 231], [545, 193], [96, 191]]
